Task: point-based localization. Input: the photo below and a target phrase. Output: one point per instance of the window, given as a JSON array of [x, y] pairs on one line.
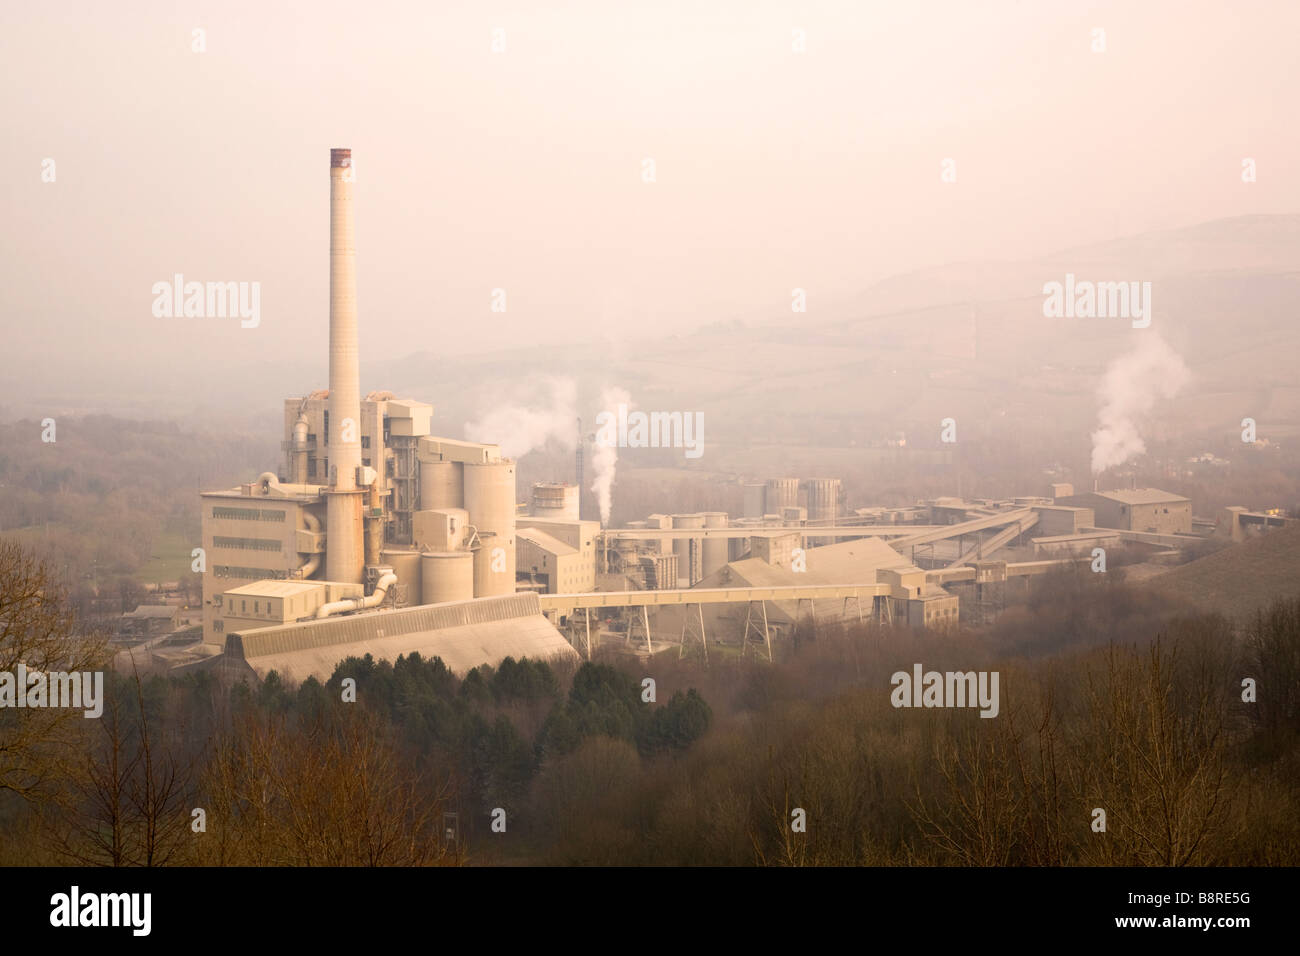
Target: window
[[365, 442], [247, 544], [248, 574], [243, 607], [311, 467], [219, 626], [327, 426], [248, 514]]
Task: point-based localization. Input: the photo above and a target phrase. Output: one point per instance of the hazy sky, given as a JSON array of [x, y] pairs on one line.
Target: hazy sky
[[522, 170]]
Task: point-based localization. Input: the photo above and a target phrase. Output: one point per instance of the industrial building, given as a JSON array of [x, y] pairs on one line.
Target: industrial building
[[1239, 524], [1147, 510], [909, 597], [560, 552], [377, 536], [370, 510], [464, 634]]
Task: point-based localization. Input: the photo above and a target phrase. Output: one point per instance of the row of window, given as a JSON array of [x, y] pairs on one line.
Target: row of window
[[247, 544], [248, 574], [248, 514]]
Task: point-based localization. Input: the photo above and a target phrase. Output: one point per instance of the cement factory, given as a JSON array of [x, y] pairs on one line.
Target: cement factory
[[377, 537]]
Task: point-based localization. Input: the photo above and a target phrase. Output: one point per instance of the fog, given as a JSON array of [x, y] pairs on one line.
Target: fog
[[524, 170]]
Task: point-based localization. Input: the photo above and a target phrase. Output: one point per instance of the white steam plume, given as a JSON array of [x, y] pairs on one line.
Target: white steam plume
[[604, 456], [519, 429], [1128, 391]]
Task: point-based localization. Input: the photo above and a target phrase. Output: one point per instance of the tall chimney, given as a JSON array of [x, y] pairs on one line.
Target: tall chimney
[[344, 532]]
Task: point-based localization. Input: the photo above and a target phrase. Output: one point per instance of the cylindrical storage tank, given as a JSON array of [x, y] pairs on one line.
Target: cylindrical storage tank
[[490, 501], [823, 498], [406, 565], [555, 499], [715, 549], [446, 576], [781, 493], [441, 485], [823, 506], [344, 536], [754, 493], [689, 571]]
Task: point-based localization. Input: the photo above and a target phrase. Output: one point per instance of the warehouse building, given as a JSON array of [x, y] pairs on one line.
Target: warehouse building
[[1137, 509]]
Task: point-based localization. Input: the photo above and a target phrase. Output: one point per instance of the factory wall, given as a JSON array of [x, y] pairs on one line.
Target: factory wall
[[1063, 519], [565, 573], [579, 535], [247, 538], [1170, 516]]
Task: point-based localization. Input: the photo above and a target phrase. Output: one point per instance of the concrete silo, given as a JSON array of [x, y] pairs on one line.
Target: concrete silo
[[689, 558], [554, 499], [490, 501], [823, 496], [446, 576], [442, 485], [715, 549], [781, 493]]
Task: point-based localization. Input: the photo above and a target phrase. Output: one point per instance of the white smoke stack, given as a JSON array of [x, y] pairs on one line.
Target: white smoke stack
[[344, 557], [604, 456], [519, 429], [1128, 391]]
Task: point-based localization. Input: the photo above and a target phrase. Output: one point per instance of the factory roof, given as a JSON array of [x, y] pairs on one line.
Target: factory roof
[[286, 491], [847, 563], [545, 541], [277, 589], [464, 634], [396, 406], [544, 520], [850, 562], [1140, 496]]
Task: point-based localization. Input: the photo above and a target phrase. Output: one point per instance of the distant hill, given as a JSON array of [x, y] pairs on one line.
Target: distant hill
[[1239, 579], [899, 356]]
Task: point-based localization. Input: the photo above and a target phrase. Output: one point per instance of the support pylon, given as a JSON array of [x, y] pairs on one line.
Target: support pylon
[[767, 635], [645, 622], [686, 629], [857, 603]]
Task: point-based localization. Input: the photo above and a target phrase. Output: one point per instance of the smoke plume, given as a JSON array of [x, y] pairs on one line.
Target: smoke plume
[[604, 457], [1128, 391], [519, 429]]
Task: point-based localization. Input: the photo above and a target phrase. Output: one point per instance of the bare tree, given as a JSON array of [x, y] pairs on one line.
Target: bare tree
[[38, 630]]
